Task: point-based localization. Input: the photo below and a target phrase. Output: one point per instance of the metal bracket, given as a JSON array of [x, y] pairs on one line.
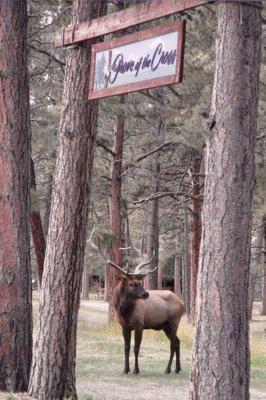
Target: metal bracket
[[73, 33]]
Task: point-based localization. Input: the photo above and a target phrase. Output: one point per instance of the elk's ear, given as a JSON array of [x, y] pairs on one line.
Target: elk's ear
[[122, 278]]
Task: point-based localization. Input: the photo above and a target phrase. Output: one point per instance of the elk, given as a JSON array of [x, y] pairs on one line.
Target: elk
[[137, 309]]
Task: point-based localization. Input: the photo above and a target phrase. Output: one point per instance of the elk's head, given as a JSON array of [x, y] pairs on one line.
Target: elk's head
[[132, 286]]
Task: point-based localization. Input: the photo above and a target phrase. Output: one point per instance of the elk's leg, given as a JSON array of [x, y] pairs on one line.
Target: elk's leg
[[177, 352], [172, 337], [127, 339], [138, 338]]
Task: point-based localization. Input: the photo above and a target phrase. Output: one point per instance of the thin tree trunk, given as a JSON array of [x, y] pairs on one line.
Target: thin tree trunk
[[15, 270], [36, 226], [106, 284], [263, 310], [53, 366], [185, 263], [151, 280], [195, 236], [160, 277], [115, 208], [251, 292], [178, 264], [153, 238], [85, 285], [220, 365], [255, 266], [48, 199]]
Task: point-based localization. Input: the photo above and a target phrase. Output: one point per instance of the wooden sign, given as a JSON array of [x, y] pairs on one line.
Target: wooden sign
[[142, 60]]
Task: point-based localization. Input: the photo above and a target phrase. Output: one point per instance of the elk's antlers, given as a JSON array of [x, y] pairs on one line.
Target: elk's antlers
[[137, 271]]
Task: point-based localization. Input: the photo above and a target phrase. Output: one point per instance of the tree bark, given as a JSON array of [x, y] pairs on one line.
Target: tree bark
[[151, 280], [36, 226], [263, 310], [53, 367], [15, 270], [115, 209], [220, 366], [195, 235]]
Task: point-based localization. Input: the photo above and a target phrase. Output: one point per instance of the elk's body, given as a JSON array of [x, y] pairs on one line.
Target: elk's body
[[138, 309]]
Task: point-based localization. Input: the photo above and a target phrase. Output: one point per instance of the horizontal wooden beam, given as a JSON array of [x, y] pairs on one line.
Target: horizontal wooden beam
[[123, 19]]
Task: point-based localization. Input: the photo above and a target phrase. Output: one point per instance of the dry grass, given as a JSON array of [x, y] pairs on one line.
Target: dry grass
[[100, 361]]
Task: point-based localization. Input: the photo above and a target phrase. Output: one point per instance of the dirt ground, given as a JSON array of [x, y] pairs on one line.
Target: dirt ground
[[100, 360]]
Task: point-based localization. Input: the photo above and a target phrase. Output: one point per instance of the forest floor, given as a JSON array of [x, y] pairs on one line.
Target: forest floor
[[100, 360]]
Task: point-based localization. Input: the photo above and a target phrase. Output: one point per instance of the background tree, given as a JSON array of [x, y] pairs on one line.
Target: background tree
[[15, 270]]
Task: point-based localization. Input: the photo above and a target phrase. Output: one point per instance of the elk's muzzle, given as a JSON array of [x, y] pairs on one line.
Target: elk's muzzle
[[145, 295]]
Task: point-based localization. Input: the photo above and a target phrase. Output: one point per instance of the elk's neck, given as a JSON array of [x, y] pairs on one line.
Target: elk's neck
[[123, 304]]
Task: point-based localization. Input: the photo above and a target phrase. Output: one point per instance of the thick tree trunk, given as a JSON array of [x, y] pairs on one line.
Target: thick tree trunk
[[53, 366], [178, 264], [220, 366], [263, 310], [151, 280], [195, 235], [15, 270], [115, 208], [36, 226]]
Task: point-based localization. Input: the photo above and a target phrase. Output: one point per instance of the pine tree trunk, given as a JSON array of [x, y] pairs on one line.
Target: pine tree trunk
[[178, 264], [220, 366], [15, 270], [53, 366], [195, 235], [115, 208], [263, 310], [36, 226], [151, 280]]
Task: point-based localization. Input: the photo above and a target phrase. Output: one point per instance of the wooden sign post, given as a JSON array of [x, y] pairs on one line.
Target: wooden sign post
[[119, 20], [142, 60]]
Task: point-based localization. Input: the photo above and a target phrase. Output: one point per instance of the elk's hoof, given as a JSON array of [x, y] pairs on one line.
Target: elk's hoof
[[126, 371], [136, 371], [177, 370], [167, 371]]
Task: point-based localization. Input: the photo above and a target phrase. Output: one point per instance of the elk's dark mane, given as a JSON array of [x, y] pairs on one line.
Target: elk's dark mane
[[122, 301]]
